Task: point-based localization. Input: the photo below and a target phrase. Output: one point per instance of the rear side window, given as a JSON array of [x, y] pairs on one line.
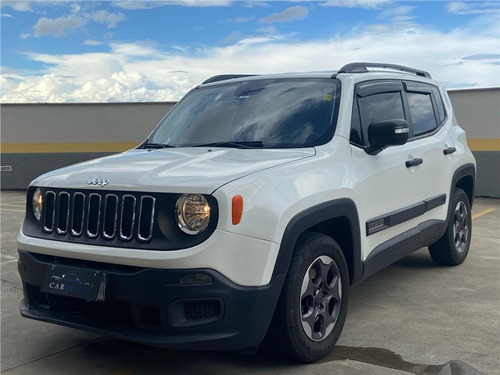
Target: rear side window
[[421, 112]]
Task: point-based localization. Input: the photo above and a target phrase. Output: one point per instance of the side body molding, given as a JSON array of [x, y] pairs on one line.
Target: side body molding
[[424, 234], [336, 209], [391, 251]]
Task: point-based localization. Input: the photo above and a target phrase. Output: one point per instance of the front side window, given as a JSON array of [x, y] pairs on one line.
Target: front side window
[[267, 113], [373, 108], [381, 107]]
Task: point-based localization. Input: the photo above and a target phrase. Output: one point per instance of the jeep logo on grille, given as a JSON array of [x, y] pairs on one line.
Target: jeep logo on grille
[[98, 181]]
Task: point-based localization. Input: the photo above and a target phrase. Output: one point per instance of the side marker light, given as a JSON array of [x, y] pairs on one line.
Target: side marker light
[[237, 209]]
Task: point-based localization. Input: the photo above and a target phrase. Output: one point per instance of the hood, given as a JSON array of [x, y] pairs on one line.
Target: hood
[[193, 169]]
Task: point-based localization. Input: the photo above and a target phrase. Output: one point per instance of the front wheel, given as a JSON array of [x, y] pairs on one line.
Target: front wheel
[[313, 305], [452, 248]]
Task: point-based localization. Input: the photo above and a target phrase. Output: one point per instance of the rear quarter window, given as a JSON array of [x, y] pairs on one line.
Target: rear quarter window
[[439, 104]]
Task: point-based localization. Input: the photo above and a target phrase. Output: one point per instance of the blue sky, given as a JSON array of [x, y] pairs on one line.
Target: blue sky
[[91, 51]]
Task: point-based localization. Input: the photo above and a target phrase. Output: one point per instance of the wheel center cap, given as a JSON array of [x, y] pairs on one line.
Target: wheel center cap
[[318, 297]]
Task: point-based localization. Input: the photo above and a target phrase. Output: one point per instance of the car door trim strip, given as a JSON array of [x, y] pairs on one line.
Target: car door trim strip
[[393, 218]]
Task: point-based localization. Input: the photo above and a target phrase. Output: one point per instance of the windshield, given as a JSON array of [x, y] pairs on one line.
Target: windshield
[[264, 113]]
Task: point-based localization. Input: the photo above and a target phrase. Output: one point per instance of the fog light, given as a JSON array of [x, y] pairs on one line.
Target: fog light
[[196, 278]]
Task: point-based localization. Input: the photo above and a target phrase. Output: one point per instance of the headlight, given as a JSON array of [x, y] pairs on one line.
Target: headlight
[[37, 204], [192, 213]]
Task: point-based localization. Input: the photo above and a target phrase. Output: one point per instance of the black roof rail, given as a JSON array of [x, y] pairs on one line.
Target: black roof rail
[[223, 77], [361, 67]]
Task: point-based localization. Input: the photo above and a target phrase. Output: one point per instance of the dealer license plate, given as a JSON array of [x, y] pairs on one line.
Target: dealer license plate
[[75, 282]]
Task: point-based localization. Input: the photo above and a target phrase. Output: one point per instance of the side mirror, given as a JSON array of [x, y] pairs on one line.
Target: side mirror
[[383, 134]]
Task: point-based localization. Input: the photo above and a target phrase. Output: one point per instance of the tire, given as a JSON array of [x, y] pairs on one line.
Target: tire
[[452, 248], [313, 304]]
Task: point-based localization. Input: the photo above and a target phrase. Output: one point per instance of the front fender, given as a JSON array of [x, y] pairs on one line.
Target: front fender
[[338, 208]]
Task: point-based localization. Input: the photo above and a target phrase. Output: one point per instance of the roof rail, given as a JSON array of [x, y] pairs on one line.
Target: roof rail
[[362, 67], [223, 77]]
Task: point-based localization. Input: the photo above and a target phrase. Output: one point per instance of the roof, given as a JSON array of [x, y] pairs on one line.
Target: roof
[[352, 68]]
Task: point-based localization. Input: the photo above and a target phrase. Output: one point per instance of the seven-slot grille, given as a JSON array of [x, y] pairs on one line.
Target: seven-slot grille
[[92, 214]]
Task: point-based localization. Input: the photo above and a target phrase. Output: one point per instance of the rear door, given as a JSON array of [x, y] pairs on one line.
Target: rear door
[[402, 186], [433, 146]]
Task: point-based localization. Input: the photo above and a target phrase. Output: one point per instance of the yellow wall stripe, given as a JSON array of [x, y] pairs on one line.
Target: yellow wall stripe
[[490, 144], [35, 148]]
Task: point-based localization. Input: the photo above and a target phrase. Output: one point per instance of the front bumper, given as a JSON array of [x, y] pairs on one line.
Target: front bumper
[[152, 306], [242, 259]]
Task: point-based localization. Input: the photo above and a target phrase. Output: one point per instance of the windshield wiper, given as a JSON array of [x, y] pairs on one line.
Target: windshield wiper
[[155, 145], [242, 144]]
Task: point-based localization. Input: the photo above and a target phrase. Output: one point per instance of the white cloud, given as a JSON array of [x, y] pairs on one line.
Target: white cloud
[[289, 14], [135, 50], [231, 38], [58, 26], [19, 5], [138, 4], [259, 39], [256, 3], [111, 19], [270, 30], [483, 56], [75, 7], [92, 42], [133, 5], [142, 72], [201, 3], [7, 15], [369, 4], [456, 7], [399, 13], [485, 7]]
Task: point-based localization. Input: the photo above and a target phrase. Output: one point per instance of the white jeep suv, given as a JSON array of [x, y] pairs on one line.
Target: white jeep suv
[[250, 210]]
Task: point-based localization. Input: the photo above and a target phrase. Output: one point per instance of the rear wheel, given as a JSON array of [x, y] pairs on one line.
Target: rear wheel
[[313, 305], [452, 248]]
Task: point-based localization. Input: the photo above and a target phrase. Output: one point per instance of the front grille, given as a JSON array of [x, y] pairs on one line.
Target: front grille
[[94, 214], [127, 219]]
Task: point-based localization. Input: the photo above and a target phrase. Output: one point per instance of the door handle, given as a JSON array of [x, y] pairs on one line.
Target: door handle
[[449, 150], [413, 163]]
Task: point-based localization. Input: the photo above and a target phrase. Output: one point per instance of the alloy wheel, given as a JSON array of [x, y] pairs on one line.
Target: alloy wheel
[[320, 298], [461, 227]]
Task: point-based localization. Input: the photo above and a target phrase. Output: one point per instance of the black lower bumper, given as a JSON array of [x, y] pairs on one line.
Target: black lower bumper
[[152, 306]]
